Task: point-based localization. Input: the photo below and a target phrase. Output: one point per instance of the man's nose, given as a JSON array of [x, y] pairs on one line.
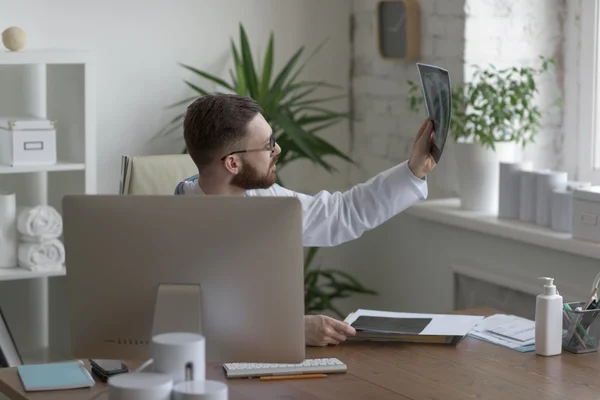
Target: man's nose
[[277, 149]]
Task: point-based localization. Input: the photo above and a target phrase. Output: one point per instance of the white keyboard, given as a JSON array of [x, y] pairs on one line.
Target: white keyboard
[[310, 366]]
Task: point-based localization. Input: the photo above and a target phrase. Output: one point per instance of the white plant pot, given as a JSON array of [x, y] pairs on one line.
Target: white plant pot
[[478, 172]]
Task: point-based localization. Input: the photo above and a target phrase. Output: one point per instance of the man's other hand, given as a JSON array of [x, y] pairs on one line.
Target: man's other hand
[[421, 162], [321, 330]]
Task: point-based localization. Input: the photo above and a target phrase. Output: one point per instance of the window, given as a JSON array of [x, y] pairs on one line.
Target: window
[[588, 102]]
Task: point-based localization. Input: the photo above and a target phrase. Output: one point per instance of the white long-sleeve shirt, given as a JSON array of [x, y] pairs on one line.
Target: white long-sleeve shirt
[[330, 219]]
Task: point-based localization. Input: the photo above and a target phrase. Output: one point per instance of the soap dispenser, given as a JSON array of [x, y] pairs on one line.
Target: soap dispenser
[[548, 320]]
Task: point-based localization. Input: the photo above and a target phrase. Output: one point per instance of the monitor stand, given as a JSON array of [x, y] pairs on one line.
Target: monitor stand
[[177, 309]]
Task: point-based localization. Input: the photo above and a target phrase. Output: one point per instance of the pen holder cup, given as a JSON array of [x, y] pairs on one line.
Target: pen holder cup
[[581, 329]]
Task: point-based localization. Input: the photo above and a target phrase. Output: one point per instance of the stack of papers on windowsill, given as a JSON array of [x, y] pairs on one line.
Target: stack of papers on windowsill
[[507, 330], [372, 325]]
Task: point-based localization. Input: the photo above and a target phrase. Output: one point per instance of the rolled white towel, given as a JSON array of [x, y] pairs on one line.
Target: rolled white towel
[[43, 256], [39, 223]]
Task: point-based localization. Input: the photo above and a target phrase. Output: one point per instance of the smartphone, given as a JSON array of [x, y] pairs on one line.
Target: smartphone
[[103, 377], [109, 367]]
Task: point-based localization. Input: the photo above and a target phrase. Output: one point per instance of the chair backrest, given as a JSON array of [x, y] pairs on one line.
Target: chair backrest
[[154, 175]]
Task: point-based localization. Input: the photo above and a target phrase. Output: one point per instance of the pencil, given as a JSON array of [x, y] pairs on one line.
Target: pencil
[[280, 377]]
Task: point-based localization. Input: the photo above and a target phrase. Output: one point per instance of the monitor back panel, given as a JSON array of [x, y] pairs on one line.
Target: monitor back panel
[[245, 253]]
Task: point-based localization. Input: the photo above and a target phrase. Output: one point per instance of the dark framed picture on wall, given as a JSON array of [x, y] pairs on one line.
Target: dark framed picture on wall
[[399, 29]]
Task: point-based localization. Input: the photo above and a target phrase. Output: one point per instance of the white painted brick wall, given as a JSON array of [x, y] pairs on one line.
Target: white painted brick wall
[[380, 88], [450, 8], [454, 34], [377, 85]]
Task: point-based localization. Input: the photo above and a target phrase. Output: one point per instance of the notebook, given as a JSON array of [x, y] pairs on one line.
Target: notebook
[[373, 325], [55, 376]]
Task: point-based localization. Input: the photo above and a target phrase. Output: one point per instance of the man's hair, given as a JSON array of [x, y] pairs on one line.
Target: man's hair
[[215, 122]]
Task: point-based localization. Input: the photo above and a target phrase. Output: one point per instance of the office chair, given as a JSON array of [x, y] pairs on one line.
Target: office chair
[[152, 175]]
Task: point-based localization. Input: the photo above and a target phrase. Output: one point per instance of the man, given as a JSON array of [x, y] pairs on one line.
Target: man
[[236, 154]]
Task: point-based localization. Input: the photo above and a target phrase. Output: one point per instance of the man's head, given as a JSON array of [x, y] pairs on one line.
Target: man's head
[[227, 135]]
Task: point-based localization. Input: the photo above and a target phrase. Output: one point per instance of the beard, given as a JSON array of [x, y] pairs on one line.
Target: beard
[[250, 178]]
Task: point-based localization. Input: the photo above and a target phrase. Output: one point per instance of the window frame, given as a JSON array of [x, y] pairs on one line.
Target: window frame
[[586, 125]]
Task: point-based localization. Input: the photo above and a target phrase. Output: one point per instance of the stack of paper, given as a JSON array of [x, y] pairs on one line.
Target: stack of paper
[[410, 327], [507, 330]]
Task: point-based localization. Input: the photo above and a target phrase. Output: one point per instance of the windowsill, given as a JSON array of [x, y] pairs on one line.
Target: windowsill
[[448, 212]]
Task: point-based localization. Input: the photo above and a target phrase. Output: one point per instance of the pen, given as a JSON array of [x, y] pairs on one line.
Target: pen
[[592, 298], [575, 330], [280, 377]]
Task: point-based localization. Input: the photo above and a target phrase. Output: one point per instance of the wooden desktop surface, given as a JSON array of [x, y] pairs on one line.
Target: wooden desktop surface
[[473, 369]]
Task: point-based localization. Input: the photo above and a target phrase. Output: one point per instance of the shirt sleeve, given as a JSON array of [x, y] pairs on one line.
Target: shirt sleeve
[[330, 219]]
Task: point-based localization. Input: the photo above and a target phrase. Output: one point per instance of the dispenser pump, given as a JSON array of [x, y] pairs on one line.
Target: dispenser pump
[[549, 288], [548, 320]]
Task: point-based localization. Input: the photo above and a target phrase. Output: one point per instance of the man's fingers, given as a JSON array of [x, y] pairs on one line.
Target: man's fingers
[[423, 126], [336, 336], [344, 328], [333, 341], [428, 129], [427, 134], [421, 130]]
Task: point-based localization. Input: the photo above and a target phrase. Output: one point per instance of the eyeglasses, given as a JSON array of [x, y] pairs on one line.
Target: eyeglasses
[[270, 147]]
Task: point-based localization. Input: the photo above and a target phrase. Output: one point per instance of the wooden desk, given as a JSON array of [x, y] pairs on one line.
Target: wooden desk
[[472, 369]]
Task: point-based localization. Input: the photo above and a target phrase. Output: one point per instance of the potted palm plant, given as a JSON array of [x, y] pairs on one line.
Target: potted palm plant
[[285, 101], [295, 118], [492, 115]]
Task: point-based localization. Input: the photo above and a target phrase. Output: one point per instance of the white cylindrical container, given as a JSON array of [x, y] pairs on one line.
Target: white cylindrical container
[[478, 174], [510, 188], [200, 390], [562, 206], [548, 321], [140, 386], [182, 355], [527, 194], [546, 182], [9, 239], [562, 209]]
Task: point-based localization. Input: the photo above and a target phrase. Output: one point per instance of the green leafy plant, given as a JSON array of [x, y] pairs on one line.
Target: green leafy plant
[[295, 118], [496, 105], [286, 104], [322, 286]]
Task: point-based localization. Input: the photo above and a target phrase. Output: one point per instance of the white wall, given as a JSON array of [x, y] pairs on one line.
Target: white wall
[[455, 34], [408, 260], [137, 45], [411, 263], [384, 127], [386, 258]]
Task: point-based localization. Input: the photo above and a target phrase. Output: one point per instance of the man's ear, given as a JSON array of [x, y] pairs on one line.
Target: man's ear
[[232, 164]]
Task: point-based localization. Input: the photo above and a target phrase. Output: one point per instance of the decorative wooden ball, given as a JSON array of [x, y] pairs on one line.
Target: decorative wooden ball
[[14, 38]]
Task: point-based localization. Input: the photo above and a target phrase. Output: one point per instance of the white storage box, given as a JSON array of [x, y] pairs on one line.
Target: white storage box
[[30, 141], [586, 214]]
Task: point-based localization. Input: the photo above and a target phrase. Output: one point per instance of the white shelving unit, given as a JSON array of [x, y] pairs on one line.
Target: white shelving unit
[[59, 166], [11, 274], [59, 85]]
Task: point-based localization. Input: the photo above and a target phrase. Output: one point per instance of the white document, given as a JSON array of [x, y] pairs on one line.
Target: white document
[[506, 330], [514, 327], [441, 324]]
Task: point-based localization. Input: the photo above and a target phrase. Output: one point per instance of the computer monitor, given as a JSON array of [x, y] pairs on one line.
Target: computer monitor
[[230, 268]]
